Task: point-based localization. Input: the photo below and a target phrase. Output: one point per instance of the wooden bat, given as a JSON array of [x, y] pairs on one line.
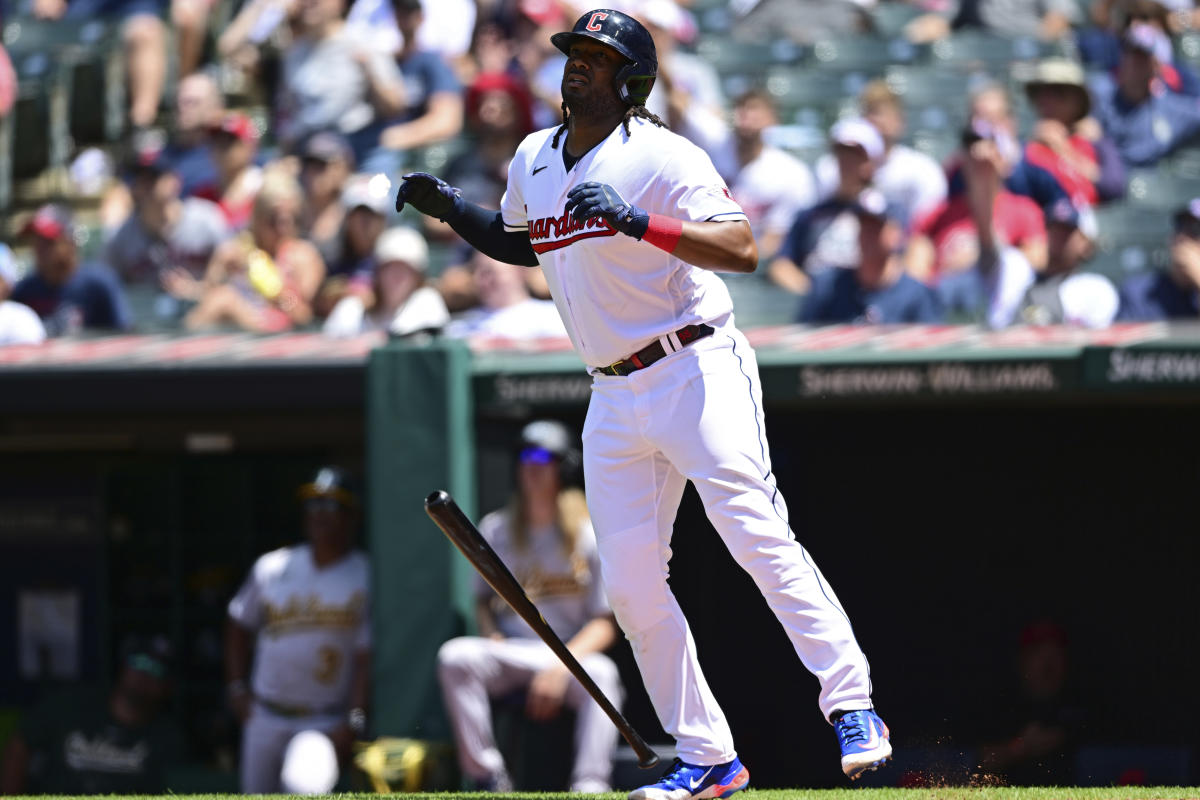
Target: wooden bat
[[442, 509]]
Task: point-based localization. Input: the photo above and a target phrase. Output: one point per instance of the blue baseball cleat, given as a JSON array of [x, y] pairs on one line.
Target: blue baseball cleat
[[687, 781], [864, 740]]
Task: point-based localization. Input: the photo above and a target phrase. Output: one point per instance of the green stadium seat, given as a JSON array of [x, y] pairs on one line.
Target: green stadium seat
[[867, 53], [1131, 239], [890, 16], [757, 301], [1187, 49], [804, 90], [1160, 188], [727, 55], [983, 50]]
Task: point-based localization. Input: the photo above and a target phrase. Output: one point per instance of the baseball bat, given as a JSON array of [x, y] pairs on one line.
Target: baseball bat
[[446, 514]]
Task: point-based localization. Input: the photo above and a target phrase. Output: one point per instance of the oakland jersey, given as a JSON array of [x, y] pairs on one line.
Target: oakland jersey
[[310, 622]]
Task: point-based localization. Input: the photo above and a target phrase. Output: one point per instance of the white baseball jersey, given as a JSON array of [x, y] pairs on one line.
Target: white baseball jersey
[[565, 587], [310, 622], [617, 295]]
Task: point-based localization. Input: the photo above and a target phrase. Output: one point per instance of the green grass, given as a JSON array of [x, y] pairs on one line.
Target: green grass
[[946, 793]]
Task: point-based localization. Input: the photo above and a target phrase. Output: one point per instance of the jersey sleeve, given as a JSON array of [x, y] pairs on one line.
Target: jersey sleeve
[[692, 190], [246, 607], [512, 205]]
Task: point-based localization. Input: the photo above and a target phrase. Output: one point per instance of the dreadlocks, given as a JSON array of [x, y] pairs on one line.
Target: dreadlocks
[[630, 113]]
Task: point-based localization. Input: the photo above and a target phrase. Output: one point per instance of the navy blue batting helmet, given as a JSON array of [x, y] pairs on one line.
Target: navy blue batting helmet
[[626, 35]]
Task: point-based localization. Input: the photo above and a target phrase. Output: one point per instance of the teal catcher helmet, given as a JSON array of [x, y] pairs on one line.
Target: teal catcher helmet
[[626, 35]]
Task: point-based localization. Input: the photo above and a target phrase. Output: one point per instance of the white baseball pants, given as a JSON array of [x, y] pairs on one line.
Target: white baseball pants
[[265, 738], [697, 415], [472, 669]]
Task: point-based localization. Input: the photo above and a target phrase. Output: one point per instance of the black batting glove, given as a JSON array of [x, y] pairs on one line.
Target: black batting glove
[[429, 194], [593, 199]]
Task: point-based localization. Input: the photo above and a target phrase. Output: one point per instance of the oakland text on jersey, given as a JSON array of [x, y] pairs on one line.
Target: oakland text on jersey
[[310, 612], [564, 230]]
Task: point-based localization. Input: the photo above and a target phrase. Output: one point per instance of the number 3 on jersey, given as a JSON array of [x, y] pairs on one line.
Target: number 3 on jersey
[[329, 664]]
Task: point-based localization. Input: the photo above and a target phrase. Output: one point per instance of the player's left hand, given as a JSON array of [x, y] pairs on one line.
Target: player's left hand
[[592, 199], [546, 692]]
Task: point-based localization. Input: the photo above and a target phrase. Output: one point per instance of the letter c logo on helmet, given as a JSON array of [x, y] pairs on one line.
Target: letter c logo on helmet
[[623, 33]]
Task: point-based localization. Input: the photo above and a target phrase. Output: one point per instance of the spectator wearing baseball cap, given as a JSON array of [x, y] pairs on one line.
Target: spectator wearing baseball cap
[[905, 176], [1173, 293], [350, 269], [825, 236], [1066, 140], [1062, 294], [326, 162], [70, 297], [86, 740], [235, 150], [18, 322], [878, 290], [1146, 121], [165, 232], [401, 304]]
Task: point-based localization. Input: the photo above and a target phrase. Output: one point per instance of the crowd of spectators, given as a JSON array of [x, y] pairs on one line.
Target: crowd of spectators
[[264, 201]]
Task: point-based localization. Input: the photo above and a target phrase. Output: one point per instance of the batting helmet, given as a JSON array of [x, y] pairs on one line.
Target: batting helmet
[[332, 482], [626, 35]]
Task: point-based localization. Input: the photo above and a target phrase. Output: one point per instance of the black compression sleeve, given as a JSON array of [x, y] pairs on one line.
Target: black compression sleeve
[[484, 230]]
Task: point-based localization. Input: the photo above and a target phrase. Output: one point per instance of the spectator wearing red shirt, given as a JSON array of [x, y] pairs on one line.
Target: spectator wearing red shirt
[[975, 225], [235, 147], [1066, 141]]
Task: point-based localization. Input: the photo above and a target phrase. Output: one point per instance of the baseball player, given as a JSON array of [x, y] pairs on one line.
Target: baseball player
[[547, 542], [629, 222], [303, 612]]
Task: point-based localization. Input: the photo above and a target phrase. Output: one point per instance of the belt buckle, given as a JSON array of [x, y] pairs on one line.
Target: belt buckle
[[611, 369]]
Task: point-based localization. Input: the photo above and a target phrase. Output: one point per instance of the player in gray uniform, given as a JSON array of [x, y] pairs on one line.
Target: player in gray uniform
[[546, 540], [304, 614]]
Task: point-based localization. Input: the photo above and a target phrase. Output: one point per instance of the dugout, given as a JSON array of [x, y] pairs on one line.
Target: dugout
[[953, 484]]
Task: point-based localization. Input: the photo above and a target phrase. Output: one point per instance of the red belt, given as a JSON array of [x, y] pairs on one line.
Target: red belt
[[654, 351]]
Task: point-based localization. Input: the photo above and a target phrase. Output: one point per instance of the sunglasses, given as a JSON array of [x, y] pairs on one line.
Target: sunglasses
[[537, 455]]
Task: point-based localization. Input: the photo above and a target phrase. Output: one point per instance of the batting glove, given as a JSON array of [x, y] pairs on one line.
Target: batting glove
[[593, 199], [429, 194]]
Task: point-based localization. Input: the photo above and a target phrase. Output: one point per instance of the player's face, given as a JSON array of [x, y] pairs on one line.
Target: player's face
[[539, 479], [587, 84], [327, 524]]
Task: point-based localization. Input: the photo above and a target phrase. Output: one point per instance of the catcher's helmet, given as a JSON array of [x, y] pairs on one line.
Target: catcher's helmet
[[626, 35], [332, 482]]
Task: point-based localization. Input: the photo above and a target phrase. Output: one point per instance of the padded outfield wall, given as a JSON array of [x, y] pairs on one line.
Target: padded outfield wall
[[954, 484]]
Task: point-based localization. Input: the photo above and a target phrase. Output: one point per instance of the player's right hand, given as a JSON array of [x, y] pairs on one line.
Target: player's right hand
[[428, 194]]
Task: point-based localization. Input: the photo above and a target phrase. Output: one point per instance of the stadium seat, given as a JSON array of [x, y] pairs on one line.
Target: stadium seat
[[757, 301], [890, 17], [1131, 239], [980, 49], [1188, 49], [1160, 187], [866, 53], [89, 58], [801, 89], [726, 55]]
